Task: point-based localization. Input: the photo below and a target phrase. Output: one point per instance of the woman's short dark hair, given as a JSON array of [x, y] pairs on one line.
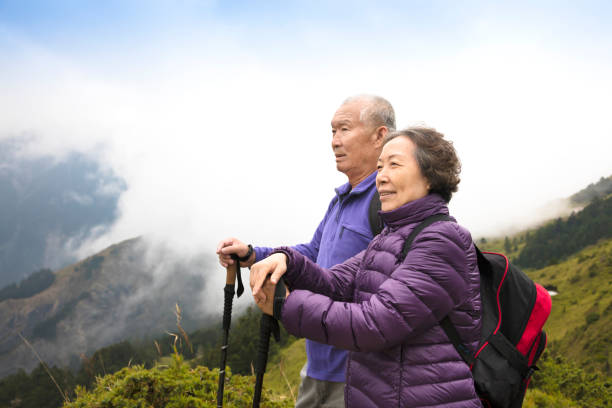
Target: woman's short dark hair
[[436, 158]]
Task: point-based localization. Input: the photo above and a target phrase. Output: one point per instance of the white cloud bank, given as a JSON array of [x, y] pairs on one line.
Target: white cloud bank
[[238, 143]]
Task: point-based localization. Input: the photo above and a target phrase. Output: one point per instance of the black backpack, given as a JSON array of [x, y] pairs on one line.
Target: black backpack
[[514, 310], [376, 223]]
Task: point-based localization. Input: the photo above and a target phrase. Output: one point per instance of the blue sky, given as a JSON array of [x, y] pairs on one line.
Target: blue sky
[[109, 27], [188, 99]]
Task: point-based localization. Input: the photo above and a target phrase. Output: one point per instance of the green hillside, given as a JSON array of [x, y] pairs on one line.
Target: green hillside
[[580, 325], [600, 189], [557, 240]]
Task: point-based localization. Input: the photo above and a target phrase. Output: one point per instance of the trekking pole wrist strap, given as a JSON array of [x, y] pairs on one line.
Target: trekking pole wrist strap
[[280, 293], [238, 276], [248, 254]]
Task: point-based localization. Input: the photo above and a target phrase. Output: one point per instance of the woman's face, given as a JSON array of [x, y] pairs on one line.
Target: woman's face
[[399, 178]]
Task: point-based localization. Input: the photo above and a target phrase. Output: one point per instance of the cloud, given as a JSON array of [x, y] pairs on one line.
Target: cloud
[[82, 199], [215, 138]]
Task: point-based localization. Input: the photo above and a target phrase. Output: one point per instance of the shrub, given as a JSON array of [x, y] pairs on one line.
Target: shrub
[[177, 386], [559, 376], [592, 318], [30, 286]]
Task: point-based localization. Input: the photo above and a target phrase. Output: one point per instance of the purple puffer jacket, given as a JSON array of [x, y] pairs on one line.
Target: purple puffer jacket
[[387, 314]]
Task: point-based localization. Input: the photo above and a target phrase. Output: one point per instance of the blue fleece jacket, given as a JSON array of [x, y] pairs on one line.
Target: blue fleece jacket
[[343, 232]]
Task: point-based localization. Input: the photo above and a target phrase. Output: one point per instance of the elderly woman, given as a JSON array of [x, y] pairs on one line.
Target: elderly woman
[[387, 310]]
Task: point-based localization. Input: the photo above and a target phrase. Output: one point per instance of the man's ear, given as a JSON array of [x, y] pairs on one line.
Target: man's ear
[[379, 135]]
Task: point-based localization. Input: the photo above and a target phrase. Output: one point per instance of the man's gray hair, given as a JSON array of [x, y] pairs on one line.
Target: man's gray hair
[[376, 110]]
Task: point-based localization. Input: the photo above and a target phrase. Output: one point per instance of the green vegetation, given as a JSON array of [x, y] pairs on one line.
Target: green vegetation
[[283, 373], [565, 381], [579, 327], [177, 386], [599, 190], [243, 342], [35, 390], [555, 241], [511, 246], [146, 362], [30, 286]]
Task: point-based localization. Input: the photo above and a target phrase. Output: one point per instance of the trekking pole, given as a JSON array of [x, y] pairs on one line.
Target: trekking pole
[[268, 325], [231, 273]]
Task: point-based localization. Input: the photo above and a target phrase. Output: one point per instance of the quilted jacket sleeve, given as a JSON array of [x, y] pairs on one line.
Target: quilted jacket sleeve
[[337, 282], [419, 292]]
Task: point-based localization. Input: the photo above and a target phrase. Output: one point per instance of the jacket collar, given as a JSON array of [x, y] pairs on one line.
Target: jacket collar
[[415, 211], [359, 188]]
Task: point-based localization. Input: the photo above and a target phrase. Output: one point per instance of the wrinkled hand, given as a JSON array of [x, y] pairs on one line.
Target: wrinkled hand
[[274, 266], [267, 306], [229, 246]]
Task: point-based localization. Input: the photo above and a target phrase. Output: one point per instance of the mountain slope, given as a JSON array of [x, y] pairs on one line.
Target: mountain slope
[[580, 324], [126, 291]]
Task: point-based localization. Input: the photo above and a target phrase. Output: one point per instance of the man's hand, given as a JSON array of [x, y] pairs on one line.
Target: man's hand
[[275, 265], [230, 246]]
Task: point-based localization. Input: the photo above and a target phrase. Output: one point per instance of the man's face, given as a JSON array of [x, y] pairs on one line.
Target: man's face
[[352, 140]]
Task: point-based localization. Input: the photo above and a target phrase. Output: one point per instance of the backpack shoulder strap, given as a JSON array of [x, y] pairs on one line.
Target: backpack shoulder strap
[[453, 336], [417, 230], [447, 325], [483, 263], [376, 223]]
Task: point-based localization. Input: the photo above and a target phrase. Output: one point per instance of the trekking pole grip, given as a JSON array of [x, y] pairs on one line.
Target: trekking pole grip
[[230, 280]]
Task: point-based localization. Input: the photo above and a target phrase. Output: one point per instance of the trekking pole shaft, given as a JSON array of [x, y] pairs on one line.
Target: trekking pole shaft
[[222, 369], [227, 320], [258, 389], [265, 329]]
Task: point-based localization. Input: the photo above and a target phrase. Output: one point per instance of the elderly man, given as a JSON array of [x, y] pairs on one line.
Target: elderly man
[[358, 129]]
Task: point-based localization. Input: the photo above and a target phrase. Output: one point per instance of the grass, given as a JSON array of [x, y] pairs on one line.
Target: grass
[[283, 372], [539, 399], [579, 325]]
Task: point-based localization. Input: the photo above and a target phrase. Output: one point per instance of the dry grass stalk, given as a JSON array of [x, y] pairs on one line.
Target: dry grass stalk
[[64, 396], [280, 368], [176, 338], [179, 317], [157, 347]]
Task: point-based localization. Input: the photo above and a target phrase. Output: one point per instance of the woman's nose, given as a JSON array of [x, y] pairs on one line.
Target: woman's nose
[[381, 176]]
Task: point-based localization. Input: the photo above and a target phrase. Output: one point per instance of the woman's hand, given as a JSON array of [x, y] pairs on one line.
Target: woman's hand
[[267, 306], [274, 266]]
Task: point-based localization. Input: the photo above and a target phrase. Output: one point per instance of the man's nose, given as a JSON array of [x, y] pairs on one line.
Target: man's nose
[[336, 140]]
